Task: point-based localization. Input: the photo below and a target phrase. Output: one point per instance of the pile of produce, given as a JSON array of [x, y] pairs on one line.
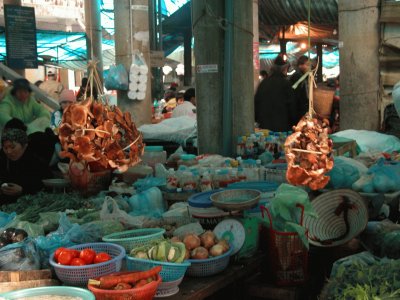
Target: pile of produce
[[309, 153], [125, 281], [72, 257], [12, 235], [374, 280], [204, 246], [28, 207], [165, 251], [96, 137]]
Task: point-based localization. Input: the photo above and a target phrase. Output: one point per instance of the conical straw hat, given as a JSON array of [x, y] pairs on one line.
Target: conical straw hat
[[329, 228]]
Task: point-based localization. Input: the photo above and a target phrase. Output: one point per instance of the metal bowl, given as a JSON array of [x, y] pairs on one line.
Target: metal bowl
[[236, 199]]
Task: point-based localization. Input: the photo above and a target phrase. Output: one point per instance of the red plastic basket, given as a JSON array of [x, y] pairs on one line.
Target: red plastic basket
[[288, 256], [146, 292]]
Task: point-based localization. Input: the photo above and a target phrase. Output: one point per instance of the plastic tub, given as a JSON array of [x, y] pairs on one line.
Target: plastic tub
[[154, 155], [50, 290], [187, 160], [201, 208]]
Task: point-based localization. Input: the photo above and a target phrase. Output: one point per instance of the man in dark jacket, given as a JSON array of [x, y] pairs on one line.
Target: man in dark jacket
[[274, 100], [301, 91]]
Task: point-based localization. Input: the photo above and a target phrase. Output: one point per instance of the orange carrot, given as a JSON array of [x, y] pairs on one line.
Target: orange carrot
[[110, 281]]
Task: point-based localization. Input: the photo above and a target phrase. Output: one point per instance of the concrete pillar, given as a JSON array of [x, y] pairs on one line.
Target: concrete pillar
[[359, 64], [242, 72], [15, 2], [132, 32], [94, 34], [187, 57], [256, 46], [208, 50]]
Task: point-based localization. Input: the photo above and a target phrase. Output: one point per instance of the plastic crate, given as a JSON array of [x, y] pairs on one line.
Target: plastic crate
[[169, 272], [79, 275], [146, 292], [135, 238], [209, 266]]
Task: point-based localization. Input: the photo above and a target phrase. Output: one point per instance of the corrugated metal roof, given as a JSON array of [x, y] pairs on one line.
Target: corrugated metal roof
[[288, 12]]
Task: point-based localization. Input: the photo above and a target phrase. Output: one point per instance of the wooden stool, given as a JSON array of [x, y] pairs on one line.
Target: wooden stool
[[340, 148]]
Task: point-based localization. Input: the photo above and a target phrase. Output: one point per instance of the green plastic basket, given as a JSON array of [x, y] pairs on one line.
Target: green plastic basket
[[132, 239]]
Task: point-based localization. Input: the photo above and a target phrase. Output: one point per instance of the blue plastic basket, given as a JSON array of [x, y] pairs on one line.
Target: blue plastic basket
[[49, 290], [131, 239], [169, 272], [79, 275], [209, 266]]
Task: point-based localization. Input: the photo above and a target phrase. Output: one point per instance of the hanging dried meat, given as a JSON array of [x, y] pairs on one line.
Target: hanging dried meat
[[309, 153], [99, 137]]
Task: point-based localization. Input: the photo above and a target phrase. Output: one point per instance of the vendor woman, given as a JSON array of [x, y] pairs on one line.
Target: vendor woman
[[21, 172]]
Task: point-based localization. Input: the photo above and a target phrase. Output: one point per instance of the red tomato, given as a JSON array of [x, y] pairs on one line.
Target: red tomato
[[101, 257], [57, 253], [87, 255], [75, 253], [65, 257], [77, 262]]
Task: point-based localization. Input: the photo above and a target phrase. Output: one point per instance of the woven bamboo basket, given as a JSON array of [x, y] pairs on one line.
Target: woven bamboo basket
[[323, 99]]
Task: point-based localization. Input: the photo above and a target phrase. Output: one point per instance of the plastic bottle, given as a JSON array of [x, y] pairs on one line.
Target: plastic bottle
[[241, 175], [240, 146], [172, 180], [223, 178], [205, 182], [188, 182]]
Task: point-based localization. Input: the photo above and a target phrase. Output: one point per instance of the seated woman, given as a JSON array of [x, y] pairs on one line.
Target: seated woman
[[20, 103], [21, 172]]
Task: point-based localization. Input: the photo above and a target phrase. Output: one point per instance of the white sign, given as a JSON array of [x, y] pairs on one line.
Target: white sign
[[340, 44], [140, 7], [157, 59], [207, 69]]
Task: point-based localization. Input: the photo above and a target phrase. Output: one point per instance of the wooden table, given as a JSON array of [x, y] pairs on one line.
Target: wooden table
[[201, 287]]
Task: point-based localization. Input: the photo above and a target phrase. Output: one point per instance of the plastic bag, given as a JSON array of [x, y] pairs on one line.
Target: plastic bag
[[371, 140], [49, 221], [194, 228], [386, 177], [138, 76], [116, 78], [148, 203], [20, 256], [345, 172], [33, 230], [148, 182], [396, 97], [111, 211], [6, 218], [285, 213], [361, 259]]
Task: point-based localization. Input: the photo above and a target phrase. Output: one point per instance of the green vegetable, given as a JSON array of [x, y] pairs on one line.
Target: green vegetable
[[372, 280], [28, 207], [161, 251]]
